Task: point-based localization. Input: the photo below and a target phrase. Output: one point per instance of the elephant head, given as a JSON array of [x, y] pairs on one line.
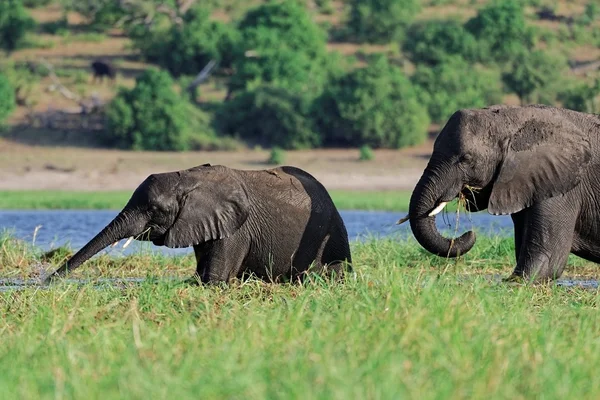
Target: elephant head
[[174, 209], [502, 159]]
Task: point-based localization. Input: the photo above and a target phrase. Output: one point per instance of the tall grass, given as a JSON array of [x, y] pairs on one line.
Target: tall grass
[[405, 325]]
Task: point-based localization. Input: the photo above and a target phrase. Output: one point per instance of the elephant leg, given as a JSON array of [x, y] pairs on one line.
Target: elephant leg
[[221, 262], [519, 223], [547, 240]]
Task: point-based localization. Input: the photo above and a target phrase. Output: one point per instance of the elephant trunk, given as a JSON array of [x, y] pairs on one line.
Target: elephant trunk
[[433, 190], [122, 226]]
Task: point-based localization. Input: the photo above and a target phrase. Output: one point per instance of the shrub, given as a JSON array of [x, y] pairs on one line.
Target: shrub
[[269, 116], [533, 72], [432, 41], [14, 24], [501, 30], [186, 49], [7, 98], [102, 14], [151, 116], [376, 106], [366, 153], [281, 45], [455, 84], [276, 157], [36, 3], [381, 21], [581, 97]]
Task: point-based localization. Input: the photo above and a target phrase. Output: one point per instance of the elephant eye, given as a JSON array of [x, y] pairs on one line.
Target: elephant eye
[[466, 158]]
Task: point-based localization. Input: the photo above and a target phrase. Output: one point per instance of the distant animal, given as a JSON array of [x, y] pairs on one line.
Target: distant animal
[[278, 224], [539, 164], [103, 68]]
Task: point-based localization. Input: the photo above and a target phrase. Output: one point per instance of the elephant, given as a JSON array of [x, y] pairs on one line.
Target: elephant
[[538, 164], [278, 224]]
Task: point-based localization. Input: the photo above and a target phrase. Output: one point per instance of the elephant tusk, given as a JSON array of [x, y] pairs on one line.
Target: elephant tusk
[[114, 244], [439, 208], [128, 241], [402, 220]]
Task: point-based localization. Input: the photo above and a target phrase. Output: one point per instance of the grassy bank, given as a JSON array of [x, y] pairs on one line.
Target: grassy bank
[[39, 200], [406, 325]]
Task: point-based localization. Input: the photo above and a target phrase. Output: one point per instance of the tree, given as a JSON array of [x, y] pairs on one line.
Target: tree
[[501, 30], [281, 45], [531, 73], [432, 41], [184, 49], [14, 24], [455, 84], [151, 116], [269, 116], [581, 97], [381, 21], [375, 106], [7, 98]]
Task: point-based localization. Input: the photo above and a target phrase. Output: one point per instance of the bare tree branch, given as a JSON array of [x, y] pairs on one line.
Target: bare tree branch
[[202, 76]]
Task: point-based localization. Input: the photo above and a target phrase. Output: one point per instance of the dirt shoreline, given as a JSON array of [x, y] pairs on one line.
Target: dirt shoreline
[[25, 167]]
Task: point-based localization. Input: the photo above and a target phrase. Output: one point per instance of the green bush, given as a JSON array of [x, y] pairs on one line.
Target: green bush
[[531, 73], [366, 153], [7, 98], [151, 116], [186, 49], [432, 41], [375, 106], [581, 97], [36, 3], [502, 31], [381, 21], [14, 24], [276, 157], [455, 84], [283, 46], [102, 14], [269, 116]]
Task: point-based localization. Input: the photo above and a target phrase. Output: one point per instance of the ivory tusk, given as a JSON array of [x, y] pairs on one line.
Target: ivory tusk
[[439, 208], [128, 241], [402, 220], [114, 244]]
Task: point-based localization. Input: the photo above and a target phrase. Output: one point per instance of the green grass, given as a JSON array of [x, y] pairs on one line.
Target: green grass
[[32, 199], [405, 325]]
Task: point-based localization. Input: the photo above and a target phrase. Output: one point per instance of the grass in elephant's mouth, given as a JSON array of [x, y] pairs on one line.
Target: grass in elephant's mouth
[[407, 324]]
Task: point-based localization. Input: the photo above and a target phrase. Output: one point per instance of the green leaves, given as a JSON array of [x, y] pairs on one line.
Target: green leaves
[[381, 21], [7, 98], [14, 24], [376, 105]]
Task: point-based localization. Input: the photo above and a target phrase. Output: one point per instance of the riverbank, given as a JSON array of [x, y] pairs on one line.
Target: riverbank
[[115, 200], [405, 325]]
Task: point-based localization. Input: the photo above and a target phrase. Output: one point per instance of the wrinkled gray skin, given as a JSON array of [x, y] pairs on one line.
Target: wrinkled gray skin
[[539, 164], [274, 223]]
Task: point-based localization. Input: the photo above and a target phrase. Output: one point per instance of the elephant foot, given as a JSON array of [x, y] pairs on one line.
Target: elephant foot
[[193, 280]]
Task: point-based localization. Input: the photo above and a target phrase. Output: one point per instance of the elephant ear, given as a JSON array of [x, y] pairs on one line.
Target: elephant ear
[[542, 159], [213, 206]]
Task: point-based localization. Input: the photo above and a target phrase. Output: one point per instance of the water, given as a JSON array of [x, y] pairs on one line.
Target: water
[[74, 228]]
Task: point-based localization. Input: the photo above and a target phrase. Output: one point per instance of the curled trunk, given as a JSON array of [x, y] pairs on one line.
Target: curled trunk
[[431, 190]]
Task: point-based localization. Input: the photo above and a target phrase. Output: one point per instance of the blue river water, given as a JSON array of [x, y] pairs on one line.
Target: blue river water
[[74, 228]]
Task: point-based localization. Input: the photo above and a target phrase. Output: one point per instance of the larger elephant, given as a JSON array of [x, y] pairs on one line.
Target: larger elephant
[[539, 164], [274, 223]]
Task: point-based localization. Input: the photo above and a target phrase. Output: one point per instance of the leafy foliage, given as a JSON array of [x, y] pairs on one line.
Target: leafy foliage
[[532, 72], [281, 45], [455, 84], [270, 116], [7, 98], [502, 30], [430, 42], [100, 13], [151, 116], [14, 24], [581, 97], [276, 157], [366, 153], [187, 48], [381, 21], [376, 105]]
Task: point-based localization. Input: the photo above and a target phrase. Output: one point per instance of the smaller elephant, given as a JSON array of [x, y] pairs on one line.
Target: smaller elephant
[[277, 224], [102, 68]]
